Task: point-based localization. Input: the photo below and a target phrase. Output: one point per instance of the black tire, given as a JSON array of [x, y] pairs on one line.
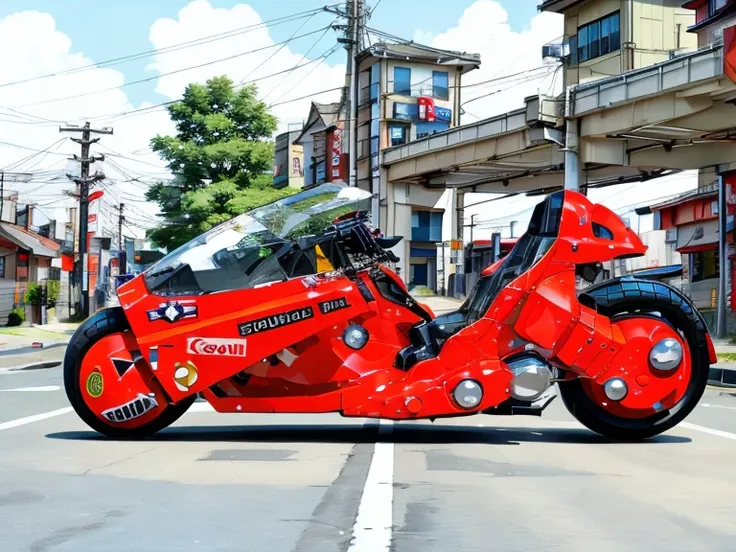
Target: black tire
[[101, 324], [683, 317]]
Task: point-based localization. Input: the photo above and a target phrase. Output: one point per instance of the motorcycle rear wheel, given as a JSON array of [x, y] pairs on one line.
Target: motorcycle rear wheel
[[107, 324], [580, 404]]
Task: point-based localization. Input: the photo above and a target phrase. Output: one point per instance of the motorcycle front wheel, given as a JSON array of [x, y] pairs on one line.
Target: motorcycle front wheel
[[582, 397], [106, 388]]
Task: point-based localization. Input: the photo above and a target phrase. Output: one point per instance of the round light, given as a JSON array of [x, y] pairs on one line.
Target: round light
[[615, 389], [468, 394], [666, 355], [355, 336]]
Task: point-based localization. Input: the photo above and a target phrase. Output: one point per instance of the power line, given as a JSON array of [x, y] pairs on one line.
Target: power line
[[307, 96], [174, 47], [122, 114], [20, 162], [302, 59], [283, 44], [155, 77]]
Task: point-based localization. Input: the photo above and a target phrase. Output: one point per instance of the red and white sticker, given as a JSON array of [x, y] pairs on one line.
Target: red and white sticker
[[216, 346]]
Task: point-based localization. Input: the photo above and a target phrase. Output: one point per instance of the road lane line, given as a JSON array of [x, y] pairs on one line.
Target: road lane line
[[718, 406], [35, 418], [703, 429], [37, 388], [373, 525]]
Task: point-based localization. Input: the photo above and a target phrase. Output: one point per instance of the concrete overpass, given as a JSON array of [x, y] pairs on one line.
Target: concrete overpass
[[679, 114]]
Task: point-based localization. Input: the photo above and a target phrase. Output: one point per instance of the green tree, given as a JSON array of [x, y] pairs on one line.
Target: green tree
[[220, 157]]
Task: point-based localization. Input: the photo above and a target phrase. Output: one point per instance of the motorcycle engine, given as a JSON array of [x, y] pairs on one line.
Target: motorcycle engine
[[532, 377]]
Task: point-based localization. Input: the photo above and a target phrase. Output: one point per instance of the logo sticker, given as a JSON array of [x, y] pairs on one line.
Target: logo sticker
[[332, 305], [94, 384], [185, 375], [132, 409], [216, 346], [173, 311], [275, 321]]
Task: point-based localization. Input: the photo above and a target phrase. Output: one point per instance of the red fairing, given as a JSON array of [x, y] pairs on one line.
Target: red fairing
[[356, 342]]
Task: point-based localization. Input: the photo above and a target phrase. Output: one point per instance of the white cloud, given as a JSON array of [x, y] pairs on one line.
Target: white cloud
[[484, 29], [199, 19], [39, 48]]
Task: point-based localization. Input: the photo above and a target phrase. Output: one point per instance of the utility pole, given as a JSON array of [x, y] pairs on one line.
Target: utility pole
[[472, 225], [84, 183], [354, 14], [121, 253]]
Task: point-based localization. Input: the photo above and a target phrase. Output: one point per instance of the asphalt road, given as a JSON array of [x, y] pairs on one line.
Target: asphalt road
[[322, 483]]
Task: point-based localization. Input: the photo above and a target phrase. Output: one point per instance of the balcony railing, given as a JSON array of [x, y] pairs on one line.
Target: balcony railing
[[703, 64]]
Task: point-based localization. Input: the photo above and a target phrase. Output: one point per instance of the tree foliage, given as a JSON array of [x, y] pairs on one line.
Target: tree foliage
[[220, 157]]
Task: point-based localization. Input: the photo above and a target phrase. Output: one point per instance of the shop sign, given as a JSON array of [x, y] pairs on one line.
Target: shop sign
[[442, 114]]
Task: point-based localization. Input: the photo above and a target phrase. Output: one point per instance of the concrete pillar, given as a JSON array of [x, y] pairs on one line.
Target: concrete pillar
[[460, 216], [573, 166], [721, 321]]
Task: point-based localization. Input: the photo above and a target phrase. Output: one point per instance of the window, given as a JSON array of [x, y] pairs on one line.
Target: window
[[398, 134], [705, 265], [715, 5], [596, 39], [375, 79], [426, 226], [402, 81], [2, 267], [440, 85]]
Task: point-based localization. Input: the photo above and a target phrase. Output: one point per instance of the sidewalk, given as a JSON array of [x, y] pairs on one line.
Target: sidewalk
[[19, 339], [439, 305]]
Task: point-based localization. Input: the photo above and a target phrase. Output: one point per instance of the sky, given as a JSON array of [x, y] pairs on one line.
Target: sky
[[43, 37]]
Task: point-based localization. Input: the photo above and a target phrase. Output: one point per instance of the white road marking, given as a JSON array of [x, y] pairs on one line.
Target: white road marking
[[372, 529], [37, 388], [703, 429], [718, 406], [35, 418]]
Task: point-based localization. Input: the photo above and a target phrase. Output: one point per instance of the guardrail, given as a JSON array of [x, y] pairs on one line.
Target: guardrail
[[474, 132], [703, 64]]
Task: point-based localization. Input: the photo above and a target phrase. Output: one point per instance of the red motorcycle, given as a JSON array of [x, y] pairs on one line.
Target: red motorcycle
[[291, 308]]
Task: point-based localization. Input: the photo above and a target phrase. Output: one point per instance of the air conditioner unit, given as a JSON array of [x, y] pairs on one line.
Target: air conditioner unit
[[558, 50]]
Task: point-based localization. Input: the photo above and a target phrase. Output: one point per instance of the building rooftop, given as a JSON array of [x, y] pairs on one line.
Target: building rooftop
[[328, 114], [413, 51], [561, 6]]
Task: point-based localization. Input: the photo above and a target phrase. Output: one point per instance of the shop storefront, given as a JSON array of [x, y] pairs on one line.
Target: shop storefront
[[692, 221]]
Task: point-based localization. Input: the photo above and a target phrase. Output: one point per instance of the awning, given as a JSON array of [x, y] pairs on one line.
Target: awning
[[692, 236], [26, 240], [701, 236]]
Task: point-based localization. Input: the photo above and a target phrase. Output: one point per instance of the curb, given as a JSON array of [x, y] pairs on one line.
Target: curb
[[33, 366], [31, 349]]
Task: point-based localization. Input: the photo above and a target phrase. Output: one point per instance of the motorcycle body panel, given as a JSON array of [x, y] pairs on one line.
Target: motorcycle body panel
[[285, 338]]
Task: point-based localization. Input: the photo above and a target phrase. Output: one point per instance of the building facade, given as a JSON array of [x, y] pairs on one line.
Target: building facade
[[711, 18], [610, 37], [288, 168], [323, 157], [407, 93]]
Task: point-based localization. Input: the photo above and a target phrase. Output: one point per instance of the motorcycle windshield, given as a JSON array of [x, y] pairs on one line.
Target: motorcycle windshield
[[256, 247], [542, 232]]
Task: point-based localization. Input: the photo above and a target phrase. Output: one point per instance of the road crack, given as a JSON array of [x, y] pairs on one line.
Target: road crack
[[118, 461]]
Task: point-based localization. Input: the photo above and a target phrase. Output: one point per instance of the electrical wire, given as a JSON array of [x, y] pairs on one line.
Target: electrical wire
[[176, 47], [286, 77], [283, 44], [155, 77], [150, 108], [20, 162], [307, 96]]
